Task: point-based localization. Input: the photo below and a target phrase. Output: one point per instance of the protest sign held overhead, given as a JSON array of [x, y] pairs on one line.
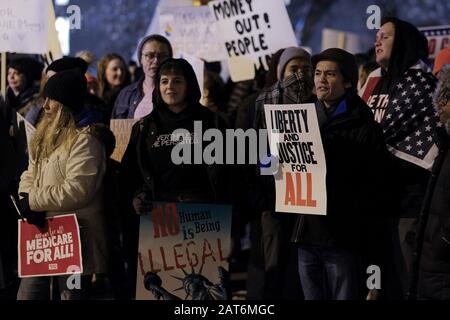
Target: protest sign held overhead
[[348, 41], [24, 26], [54, 51], [55, 250], [250, 31], [294, 138], [193, 31], [183, 250]]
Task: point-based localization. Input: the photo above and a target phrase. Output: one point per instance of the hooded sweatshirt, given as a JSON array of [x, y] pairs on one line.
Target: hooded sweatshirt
[[171, 180], [401, 97]]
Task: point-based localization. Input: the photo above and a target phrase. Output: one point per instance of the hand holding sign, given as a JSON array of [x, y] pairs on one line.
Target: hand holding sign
[[33, 217]]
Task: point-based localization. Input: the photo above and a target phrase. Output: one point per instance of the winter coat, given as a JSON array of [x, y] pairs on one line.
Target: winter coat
[[434, 271], [401, 98], [70, 181], [128, 100], [358, 181], [434, 266], [14, 104]]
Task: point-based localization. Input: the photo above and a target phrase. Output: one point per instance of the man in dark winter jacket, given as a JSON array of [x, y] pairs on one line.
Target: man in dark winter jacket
[[357, 168], [434, 271], [276, 280], [400, 95]]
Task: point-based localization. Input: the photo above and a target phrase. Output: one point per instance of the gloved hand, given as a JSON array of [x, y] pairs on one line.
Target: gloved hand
[[142, 204], [33, 217]]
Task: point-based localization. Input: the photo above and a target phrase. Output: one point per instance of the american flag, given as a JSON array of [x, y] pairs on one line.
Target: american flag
[[410, 119]]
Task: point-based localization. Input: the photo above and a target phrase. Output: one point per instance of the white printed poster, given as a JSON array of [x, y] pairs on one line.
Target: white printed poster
[[193, 31], [294, 138], [183, 251], [251, 30], [24, 26]]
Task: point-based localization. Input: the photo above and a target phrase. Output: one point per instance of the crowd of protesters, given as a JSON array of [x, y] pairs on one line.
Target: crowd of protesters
[[386, 205]]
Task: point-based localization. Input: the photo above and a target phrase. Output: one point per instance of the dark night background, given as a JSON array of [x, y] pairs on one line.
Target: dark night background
[[116, 25]]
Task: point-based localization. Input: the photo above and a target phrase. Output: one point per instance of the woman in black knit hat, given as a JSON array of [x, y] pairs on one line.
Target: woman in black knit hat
[[65, 175]]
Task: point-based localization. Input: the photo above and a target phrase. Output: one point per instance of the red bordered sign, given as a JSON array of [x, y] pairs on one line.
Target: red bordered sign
[[53, 250]]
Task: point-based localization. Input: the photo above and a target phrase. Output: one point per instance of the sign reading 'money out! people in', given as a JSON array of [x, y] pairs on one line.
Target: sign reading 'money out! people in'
[[251, 31]]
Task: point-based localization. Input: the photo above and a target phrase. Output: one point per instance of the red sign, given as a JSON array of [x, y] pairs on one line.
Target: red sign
[[53, 250]]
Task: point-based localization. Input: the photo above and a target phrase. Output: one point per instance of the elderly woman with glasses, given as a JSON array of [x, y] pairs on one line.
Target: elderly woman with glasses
[[135, 100]]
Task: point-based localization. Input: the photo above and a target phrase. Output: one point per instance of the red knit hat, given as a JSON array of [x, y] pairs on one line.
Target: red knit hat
[[442, 59]]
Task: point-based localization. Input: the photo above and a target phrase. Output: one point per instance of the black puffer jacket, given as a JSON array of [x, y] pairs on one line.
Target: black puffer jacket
[[358, 179]]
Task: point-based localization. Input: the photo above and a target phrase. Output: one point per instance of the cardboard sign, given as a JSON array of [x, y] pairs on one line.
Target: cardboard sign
[[294, 137], [24, 26], [438, 38], [348, 41], [251, 30], [55, 250], [122, 131], [193, 31], [182, 252]]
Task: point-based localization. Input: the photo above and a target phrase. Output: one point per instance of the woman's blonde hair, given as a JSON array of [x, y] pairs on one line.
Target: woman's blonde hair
[[50, 134]]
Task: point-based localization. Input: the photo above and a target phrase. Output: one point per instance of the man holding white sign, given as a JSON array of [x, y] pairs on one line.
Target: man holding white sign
[[357, 167]]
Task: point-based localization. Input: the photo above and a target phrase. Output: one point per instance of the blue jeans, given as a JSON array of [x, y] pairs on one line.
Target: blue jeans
[[328, 273], [39, 288]]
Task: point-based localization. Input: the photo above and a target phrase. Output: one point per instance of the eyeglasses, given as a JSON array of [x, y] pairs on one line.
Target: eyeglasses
[[152, 55]]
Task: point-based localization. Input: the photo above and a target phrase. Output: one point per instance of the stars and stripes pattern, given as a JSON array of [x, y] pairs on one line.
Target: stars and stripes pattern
[[410, 119], [437, 32]]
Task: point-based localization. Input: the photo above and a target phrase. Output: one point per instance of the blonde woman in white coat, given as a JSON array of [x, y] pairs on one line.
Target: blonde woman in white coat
[[65, 175]]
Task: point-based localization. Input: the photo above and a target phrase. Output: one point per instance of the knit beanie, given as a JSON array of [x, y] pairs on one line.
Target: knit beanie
[[157, 38], [67, 87], [289, 54], [345, 61], [442, 59], [31, 68], [68, 63]]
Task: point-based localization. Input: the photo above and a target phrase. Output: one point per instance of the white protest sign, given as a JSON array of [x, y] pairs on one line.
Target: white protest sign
[[294, 137], [53, 51], [251, 30], [348, 41], [438, 38], [192, 30], [25, 129], [24, 26]]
